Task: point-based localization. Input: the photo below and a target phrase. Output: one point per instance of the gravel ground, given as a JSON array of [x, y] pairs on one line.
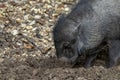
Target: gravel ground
[[26, 47]]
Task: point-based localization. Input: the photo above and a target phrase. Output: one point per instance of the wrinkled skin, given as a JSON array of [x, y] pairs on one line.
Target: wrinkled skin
[[66, 43], [85, 28]]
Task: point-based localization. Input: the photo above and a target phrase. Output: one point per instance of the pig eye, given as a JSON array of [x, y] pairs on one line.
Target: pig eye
[[57, 41], [73, 41], [66, 45]]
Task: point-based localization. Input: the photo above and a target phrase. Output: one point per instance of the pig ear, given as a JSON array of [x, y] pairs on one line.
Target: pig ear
[[80, 47], [77, 31], [61, 18]]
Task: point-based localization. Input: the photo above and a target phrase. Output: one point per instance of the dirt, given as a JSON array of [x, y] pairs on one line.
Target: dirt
[[52, 69], [26, 46]]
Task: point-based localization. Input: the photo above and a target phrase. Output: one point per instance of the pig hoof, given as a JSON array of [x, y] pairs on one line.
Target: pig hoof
[[110, 65], [87, 65]]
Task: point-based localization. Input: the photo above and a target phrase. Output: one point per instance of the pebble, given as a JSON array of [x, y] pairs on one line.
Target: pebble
[[1, 60], [14, 32], [35, 10], [34, 29], [81, 78], [18, 43], [29, 27], [19, 1], [26, 17], [11, 79], [2, 26], [67, 9], [48, 1], [23, 25], [47, 6], [1, 15], [118, 68], [32, 23], [18, 20], [55, 78], [37, 17]]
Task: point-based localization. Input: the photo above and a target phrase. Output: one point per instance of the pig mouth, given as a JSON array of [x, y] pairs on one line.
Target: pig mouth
[[68, 52], [69, 56], [69, 61]]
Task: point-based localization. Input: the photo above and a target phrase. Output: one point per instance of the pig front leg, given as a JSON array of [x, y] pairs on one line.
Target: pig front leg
[[89, 59], [114, 52], [92, 54]]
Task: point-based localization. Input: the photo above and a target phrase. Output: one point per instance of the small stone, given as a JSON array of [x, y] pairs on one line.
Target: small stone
[[19, 44], [35, 72], [23, 25], [46, 15], [13, 3], [48, 30], [32, 23], [34, 9], [81, 78], [2, 26], [101, 67], [67, 9], [47, 6], [34, 29], [31, 2], [37, 17], [11, 79], [1, 15], [25, 34], [50, 20], [14, 32], [55, 78], [1, 60], [118, 68], [29, 27], [26, 17], [18, 20]]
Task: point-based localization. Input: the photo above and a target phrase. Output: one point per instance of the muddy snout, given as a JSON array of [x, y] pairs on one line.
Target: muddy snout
[[64, 59], [67, 60], [68, 54]]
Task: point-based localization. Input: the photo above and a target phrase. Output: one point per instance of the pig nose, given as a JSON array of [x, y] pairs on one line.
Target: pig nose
[[64, 59], [66, 45]]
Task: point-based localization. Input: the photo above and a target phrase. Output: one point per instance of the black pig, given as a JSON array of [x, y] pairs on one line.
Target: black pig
[[85, 28]]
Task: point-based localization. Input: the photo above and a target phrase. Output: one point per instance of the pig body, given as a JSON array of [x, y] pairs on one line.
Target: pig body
[[85, 28]]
